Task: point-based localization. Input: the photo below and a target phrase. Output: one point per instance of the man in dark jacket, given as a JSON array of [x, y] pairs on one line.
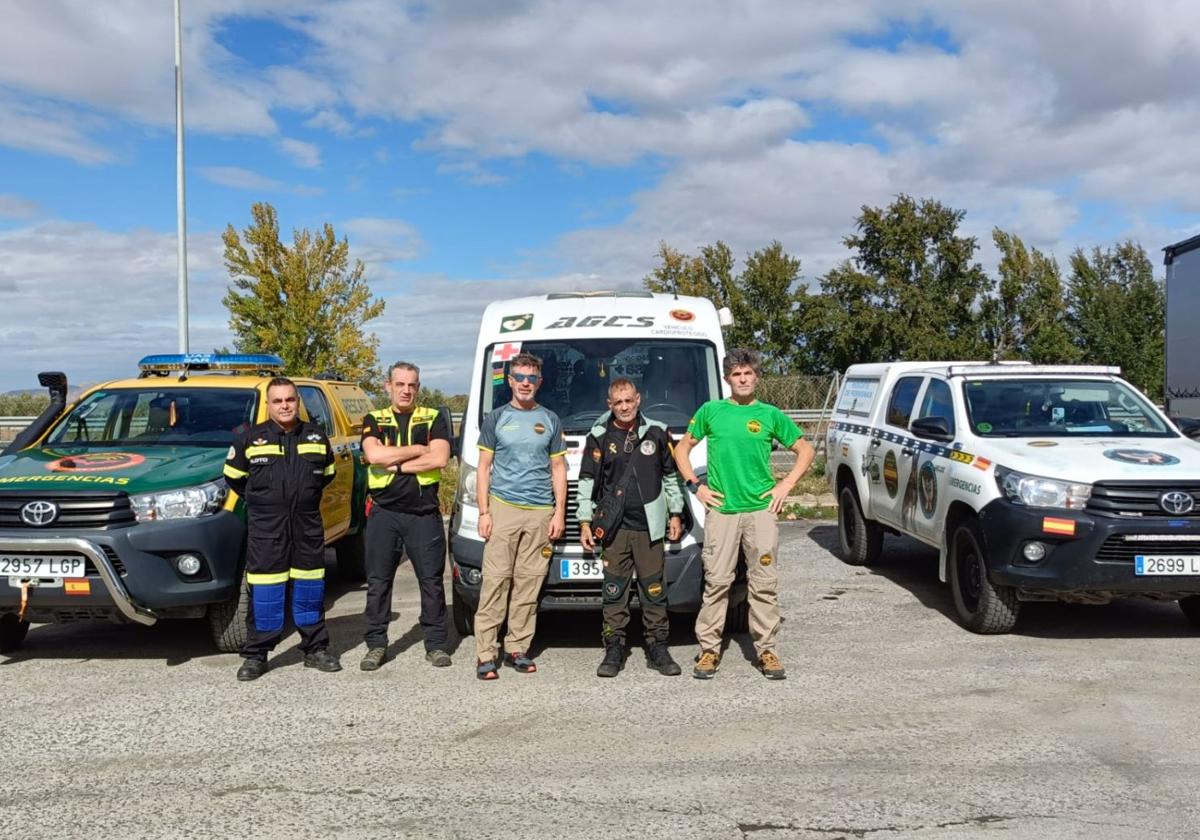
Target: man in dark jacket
[[280, 469], [632, 454]]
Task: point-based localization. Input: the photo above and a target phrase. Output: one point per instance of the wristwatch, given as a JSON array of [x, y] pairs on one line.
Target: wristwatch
[[693, 485]]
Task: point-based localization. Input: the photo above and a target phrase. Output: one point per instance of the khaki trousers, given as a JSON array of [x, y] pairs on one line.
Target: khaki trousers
[[513, 570], [758, 536]]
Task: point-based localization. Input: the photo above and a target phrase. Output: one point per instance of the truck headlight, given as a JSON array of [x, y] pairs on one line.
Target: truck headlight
[[184, 503], [1035, 491], [466, 486]]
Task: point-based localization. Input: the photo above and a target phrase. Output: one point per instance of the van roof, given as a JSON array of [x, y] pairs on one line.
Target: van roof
[[658, 315]]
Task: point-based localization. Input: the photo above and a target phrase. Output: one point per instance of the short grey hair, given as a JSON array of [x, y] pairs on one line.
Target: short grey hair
[[395, 366], [741, 357]]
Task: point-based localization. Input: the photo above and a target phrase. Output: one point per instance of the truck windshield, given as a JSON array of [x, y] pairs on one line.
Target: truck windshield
[[1060, 408], [673, 376], [157, 417]]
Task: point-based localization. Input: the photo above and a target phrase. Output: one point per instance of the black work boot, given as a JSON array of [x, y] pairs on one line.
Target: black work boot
[[614, 658], [322, 660], [251, 669], [659, 658]]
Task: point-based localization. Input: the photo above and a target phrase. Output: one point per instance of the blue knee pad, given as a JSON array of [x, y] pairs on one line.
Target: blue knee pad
[[268, 606], [308, 600]]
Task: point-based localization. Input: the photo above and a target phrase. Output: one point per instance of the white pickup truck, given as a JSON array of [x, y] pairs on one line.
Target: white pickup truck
[[1035, 482]]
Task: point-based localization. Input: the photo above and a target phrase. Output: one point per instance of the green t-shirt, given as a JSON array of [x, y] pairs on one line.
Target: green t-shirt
[[739, 449]]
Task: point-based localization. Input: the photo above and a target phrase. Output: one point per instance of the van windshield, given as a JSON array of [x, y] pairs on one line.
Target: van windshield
[[1046, 407], [674, 377], [157, 417]]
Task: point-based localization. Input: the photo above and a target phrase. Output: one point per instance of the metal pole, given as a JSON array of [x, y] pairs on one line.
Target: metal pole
[[181, 205]]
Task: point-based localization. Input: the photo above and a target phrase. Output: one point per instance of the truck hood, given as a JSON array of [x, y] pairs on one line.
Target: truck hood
[[131, 469], [1089, 460]]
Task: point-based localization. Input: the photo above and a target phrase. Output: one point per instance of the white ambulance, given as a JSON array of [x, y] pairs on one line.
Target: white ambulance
[[669, 346]]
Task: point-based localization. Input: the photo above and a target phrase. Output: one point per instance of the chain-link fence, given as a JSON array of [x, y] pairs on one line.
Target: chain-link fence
[[797, 392]]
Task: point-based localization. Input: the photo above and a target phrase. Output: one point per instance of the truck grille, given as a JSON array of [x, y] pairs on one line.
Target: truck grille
[[1117, 551], [571, 531], [1140, 498], [75, 510]]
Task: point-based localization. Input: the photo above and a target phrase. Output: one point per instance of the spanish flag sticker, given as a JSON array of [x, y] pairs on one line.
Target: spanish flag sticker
[[1066, 527], [77, 586]]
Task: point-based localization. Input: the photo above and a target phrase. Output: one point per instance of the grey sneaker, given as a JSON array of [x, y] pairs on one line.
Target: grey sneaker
[[373, 659], [438, 658]]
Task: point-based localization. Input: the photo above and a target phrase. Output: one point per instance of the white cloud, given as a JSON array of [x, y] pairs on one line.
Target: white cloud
[[235, 177], [16, 207], [375, 240], [306, 155]]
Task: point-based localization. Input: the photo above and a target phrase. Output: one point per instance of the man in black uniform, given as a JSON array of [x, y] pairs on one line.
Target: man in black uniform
[[406, 446], [620, 437], [280, 468]]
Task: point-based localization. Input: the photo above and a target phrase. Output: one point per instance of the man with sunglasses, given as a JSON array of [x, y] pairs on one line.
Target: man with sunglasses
[[629, 452], [522, 490]]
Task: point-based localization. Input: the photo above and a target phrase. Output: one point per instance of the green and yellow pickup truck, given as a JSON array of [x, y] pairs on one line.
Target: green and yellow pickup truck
[[114, 507]]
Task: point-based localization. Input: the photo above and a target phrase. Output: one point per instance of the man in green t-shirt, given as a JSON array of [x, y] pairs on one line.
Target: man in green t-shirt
[[742, 500]]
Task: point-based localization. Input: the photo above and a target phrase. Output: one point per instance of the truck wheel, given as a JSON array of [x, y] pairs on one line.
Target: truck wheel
[[737, 618], [983, 607], [860, 539], [227, 620], [12, 632], [351, 557], [464, 616], [1191, 608]]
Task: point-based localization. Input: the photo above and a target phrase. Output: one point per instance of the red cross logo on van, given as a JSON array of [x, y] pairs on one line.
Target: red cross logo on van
[[505, 352]]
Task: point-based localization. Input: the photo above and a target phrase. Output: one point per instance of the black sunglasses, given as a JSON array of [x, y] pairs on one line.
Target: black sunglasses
[[531, 378]]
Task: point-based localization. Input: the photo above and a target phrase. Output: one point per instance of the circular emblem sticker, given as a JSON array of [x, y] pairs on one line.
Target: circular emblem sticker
[[540, 428], [891, 474], [984, 427], [927, 489], [1042, 443], [654, 589], [765, 560], [647, 447], [682, 315], [96, 462], [753, 427], [1145, 457], [547, 552]]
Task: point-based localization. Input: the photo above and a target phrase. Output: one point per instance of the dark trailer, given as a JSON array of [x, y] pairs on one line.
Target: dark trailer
[[1183, 335]]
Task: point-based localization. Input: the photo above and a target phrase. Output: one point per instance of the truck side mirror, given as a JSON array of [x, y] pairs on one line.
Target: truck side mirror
[[932, 428], [1190, 426]]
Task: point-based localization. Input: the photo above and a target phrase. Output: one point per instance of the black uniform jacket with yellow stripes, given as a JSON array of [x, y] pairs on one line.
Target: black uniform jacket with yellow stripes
[[280, 472]]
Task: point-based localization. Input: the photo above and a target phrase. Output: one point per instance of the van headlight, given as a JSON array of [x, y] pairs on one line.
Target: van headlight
[[1035, 491], [466, 486], [184, 503]]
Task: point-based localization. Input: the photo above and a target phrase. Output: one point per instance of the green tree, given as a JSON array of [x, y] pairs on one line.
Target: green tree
[[1026, 316], [911, 291], [1116, 309], [708, 275], [305, 302]]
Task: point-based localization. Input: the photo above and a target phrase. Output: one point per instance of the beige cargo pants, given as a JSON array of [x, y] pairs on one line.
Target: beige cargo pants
[[513, 571], [757, 534]]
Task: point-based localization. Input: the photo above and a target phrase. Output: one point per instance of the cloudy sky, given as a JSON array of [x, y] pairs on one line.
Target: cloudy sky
[[479, 149]]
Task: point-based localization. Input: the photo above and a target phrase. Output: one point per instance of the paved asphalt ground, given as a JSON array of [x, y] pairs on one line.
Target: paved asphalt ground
[[894, 723]]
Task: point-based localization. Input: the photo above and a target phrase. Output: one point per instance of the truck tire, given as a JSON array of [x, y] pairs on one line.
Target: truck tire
[[12, 632], [983, 607], [351, 557], [464, 616], [1191, 608], [227, 621], [860, 540]]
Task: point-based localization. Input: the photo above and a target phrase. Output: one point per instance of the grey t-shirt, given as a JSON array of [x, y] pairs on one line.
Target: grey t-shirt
[[522, 443]]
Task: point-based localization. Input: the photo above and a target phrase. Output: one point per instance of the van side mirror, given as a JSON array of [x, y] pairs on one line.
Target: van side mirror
[[932, 428], [455, 436]]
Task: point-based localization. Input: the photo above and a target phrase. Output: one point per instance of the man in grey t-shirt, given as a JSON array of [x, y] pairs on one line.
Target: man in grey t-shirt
[[522, 490]]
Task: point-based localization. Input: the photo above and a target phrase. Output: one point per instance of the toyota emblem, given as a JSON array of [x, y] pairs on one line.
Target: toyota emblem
[[1176, 502], [43, 513]]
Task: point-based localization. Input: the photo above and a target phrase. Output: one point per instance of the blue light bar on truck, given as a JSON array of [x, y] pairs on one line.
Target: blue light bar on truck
[[211, 361]]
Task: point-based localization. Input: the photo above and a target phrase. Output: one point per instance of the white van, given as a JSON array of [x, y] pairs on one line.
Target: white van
[[669, 346]]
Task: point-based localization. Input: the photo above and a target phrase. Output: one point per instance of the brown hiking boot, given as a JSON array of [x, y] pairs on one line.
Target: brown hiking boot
[[770, 666], [706, 665]]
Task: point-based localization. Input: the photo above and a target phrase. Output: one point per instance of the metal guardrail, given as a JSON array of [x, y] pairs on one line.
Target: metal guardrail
[[10, 427]]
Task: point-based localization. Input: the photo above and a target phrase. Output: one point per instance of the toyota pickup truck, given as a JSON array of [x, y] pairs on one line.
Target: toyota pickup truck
[[1035, 483], [115, 507]]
